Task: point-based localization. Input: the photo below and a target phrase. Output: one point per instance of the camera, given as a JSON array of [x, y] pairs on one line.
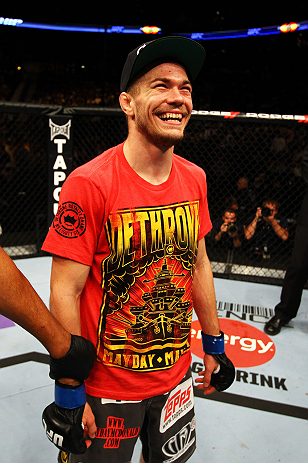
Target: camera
[[266, 212], [232, 228]]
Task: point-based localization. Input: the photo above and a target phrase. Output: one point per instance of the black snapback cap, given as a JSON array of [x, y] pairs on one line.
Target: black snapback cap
[[187, 52]]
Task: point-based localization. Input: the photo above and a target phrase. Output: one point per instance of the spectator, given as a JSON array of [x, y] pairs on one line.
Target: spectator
[[227, 231], [297, 271], [268, 228], [260, 186], [243, 197]]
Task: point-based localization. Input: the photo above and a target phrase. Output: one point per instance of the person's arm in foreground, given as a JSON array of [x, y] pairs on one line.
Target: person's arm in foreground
[[205, 307], [20, 303]]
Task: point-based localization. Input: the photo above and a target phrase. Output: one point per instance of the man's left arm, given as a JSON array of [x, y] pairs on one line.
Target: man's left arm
[[204, 301], [279, 230]]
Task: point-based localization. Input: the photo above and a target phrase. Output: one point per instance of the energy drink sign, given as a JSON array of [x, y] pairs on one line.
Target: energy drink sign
[[60, 153]]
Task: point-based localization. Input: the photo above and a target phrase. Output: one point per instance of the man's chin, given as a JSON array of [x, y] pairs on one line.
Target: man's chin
[[164, 142]]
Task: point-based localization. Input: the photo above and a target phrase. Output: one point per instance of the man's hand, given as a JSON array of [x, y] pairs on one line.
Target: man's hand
[[224, 227], [68, 421], [204, 381], [258, 213], [89, 425]]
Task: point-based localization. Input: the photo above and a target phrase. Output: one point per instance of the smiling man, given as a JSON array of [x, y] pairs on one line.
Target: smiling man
[[130, 279], [158, 106]]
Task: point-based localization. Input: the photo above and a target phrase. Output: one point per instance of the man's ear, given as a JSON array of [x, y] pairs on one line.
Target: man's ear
[[125, 101]]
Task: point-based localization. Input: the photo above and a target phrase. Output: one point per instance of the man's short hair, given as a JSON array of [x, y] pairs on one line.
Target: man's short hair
[[231, 211], [271, 201]]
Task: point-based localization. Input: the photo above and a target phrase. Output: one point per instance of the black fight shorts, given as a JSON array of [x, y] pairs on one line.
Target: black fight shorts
[[165, 425]]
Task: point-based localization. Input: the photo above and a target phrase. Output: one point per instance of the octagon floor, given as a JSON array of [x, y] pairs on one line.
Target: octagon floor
[[262, 417]]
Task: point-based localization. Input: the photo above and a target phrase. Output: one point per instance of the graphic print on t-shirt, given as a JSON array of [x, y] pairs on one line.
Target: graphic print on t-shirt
[[147, 280]]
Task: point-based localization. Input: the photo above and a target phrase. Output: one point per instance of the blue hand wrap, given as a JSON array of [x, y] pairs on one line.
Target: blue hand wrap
[[70, 396], [213, 344]]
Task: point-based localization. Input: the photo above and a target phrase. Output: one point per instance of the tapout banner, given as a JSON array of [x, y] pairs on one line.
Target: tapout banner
[[60, 154]]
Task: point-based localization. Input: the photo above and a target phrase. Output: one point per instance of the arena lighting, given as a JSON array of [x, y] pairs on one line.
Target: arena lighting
[[81, 28], [133, 30], [254, 32], [150, 30], [291, 27]]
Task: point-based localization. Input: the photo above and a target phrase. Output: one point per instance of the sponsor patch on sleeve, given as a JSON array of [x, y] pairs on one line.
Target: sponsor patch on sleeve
[[70, 221]]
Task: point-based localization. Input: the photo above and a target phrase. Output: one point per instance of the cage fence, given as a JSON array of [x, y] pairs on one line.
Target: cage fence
[[253, 168]]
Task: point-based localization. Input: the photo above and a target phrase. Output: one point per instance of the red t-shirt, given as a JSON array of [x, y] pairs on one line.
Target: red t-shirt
[[141, 243]]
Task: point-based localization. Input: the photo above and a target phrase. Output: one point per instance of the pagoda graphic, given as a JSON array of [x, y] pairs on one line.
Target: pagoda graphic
[[163, 313]]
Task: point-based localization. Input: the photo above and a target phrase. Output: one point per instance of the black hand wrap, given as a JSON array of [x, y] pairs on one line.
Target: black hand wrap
[[225, 373], [77, 363], [62, 419]]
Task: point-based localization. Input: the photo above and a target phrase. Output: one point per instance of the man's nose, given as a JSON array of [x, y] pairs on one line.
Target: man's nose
[[175, 95]]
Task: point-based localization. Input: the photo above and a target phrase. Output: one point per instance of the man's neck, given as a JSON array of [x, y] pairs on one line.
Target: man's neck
[[148, 161]]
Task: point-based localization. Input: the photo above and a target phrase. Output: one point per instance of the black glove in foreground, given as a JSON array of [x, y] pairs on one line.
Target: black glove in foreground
[[62, 419], [225, 375]]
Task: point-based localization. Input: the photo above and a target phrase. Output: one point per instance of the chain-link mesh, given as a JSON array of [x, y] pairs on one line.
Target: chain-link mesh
[[93, 135], [23, 182], [254, 192], [249, 165]]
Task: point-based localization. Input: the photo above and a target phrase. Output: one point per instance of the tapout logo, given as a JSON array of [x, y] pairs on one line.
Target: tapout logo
[[245, 345]]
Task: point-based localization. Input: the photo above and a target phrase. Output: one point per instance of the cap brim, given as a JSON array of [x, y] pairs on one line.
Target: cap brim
[[185, 51]]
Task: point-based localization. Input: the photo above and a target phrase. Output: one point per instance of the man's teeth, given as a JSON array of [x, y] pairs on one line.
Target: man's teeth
[[171, 116]]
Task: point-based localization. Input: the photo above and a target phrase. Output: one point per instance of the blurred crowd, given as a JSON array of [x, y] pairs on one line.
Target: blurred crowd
[[253, 171], [253, 175], [243, 75]]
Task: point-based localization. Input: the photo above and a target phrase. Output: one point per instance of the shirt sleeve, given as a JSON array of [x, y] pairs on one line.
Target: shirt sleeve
[[77, 225]]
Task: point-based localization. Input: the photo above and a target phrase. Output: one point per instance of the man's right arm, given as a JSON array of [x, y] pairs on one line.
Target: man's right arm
[[250, 229], [66, 284], [67, 281], [222, 229]]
